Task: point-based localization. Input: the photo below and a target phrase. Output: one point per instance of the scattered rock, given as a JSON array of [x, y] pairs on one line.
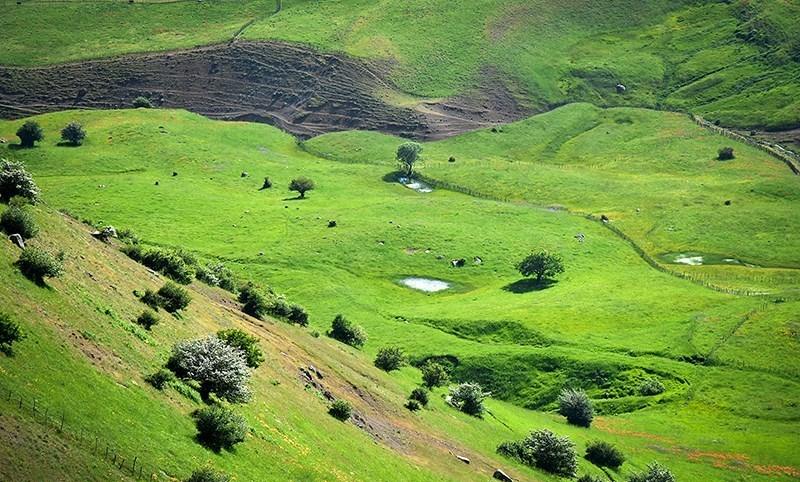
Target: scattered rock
[[17, 240], [463, 459], [621, 89], [500, 475], [728, 202], [477, 260], [332, 223], [156, 183], [244, 174], [174, 173], [315, 371], [105, 234], [580, 237], [458, 263], [451, 159], [604, 218]]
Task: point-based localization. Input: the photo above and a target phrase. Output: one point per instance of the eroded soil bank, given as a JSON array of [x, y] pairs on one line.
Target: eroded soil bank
[[292, 87]]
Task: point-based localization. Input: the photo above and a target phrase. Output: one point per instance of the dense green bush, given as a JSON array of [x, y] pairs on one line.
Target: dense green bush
[[134, 251], [545, 450], [651, 386], [217, 274], [19, 220], [298, 315], [413, 405], [419, 395], [434, 375], [37, 264], [247, 344], [147, 319], [73, 133], [142, 102], [16, 181], [173, 297], [604, 454], [390, 358], [468, 397], [10, 333], [215, 365], [160, 379], [170, 263], [151, 299], [576, 406], [29, 133], [207, 474], [340, 410], [655, 473], [255, 303], [219, 427], [346, 332]]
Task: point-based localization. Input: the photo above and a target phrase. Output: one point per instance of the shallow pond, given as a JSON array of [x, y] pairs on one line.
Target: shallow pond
[[425, 284], [416, 185], [699, 259]]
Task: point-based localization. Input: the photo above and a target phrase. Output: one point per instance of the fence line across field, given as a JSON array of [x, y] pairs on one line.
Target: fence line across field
[[60, 422]]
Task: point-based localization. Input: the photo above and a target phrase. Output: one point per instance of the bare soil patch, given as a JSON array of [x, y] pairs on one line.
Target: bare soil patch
[[293, 87]]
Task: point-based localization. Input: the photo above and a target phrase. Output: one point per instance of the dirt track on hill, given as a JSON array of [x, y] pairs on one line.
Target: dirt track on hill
[[292, 87]]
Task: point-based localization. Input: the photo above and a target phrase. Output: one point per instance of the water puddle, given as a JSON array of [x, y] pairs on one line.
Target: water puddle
[[418, 186], [425, 284], [700, 259]]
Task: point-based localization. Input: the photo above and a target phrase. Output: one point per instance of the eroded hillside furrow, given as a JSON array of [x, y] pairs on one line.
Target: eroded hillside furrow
[[295, 88]]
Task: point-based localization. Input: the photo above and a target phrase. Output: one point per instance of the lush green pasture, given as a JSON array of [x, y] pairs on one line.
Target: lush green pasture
[[655, 175], [609, 321], [731, 61]]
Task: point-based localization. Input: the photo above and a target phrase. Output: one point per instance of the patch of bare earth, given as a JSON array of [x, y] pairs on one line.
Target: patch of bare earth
[[293, 87]]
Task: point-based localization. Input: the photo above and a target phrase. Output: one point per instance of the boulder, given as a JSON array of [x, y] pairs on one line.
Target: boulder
[[17, 240], [463, 459], [105, 234], [500, 475], [604, 218]]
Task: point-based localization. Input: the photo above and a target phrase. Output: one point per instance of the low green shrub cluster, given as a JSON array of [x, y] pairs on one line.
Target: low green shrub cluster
[[19, 219], [390, 358], [468, 397], [347, 332], [172, 297], [207, 474], [259, 304], [340, 410], [604, 454], [544, 450], [147, 320], [219, 427], [37, 264], [10, 333], [576, 406], [247, 344]]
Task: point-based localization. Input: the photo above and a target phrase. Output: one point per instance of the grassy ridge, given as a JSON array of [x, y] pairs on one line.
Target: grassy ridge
[[730, 61], [610, 316]]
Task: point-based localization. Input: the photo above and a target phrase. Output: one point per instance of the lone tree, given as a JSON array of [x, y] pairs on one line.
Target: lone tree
[[216, 366], [73, 134], [16, 181], [301, 185], [408, 153], [543, 265], [29, 133]]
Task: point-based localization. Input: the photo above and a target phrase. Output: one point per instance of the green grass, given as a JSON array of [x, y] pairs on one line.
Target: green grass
[[725, 61], [608, 321]]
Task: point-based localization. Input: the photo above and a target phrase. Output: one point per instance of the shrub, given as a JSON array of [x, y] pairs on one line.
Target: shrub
[[73, 133], [725, 154], [160, 379], [434, 375], [651, 386], [37, 264], [255, 303], [278, 306], [219, 427], [419, 395], [604, 454], [16, 181], [217, 274], [215, 365], [390, 358], [655, 473], [301, 185], [10, 333], [19, 220], [170, 263], [543, 265], [133, 251], [346, 332], [173, 297], [576, 406], [207, 474], [247, 344], [142, 102], [340, 410], [468, 397], [267, 183], [147, 319], [588, 478], [29, 133], [298, 314], [151, 299], [413, 405], [545, 450]]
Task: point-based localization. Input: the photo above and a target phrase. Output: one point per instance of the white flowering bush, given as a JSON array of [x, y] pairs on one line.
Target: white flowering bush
[[215, 365]]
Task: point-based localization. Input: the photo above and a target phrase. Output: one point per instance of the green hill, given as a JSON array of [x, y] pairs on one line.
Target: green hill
[[609, 323], [735, 62]]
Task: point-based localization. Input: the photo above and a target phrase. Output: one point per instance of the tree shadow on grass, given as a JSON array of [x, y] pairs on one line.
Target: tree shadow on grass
[[296, 198], [68, 144], [527, 285]]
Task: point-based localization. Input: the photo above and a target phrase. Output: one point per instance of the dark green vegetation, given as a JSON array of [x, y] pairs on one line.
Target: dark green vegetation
[[610, 325], [735, 61]]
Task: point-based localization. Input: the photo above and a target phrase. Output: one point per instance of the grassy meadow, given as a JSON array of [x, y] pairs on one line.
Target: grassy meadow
[[728, 361], [735, 62]]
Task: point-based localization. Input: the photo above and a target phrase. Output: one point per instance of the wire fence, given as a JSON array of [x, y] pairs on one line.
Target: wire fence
[[60, 422], [789, 158]]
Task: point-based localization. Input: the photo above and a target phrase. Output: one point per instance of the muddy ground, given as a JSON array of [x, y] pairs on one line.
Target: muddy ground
[[293, 87]]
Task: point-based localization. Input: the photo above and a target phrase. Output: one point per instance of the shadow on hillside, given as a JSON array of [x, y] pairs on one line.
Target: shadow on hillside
[[392, 177], [526, 285]]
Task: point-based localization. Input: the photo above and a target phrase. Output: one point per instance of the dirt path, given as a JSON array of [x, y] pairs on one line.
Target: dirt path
[[292, 87]]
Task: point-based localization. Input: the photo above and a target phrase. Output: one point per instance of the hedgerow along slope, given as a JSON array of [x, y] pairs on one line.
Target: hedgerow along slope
[[616, 303], [735, 62]]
